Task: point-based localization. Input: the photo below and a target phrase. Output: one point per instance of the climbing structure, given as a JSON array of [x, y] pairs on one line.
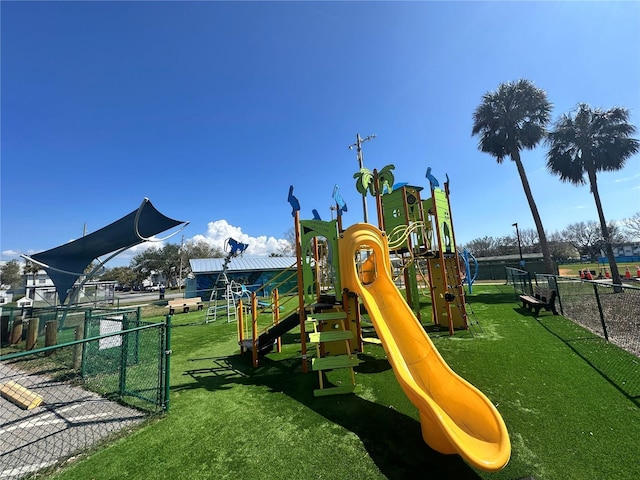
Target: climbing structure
[[331, 317], [447, 292], [334, 316], [410, 224], [223, 292]]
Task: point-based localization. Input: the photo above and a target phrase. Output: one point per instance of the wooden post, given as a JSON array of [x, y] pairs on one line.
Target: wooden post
[[77, 348], [276, 316], [301, 309], [254, 329], [241, 326], [5, 320], [50, 335], [16, 331], [32, 333]]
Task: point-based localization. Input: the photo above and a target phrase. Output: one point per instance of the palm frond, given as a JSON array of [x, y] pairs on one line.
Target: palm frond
[[512, 118], [590, 140]]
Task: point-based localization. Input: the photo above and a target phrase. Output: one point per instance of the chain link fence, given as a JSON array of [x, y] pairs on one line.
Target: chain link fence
[[610, 311], [607, 310], [107, 373]]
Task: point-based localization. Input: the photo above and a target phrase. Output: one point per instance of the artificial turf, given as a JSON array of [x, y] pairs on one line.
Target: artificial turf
[[569, 399]]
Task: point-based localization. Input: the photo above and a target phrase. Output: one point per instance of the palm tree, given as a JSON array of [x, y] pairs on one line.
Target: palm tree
[[588, 142], [510, 119]]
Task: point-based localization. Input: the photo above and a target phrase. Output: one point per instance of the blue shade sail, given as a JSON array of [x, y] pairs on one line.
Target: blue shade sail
[[66, 263]]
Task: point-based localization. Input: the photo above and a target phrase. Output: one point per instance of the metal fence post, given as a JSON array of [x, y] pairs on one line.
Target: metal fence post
[[167, 362], [87, 332], [124, 356], [604, 324], [136, 350], [556, 286]]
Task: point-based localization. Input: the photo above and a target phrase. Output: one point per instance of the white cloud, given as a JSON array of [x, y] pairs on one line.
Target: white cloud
[[220, 230], [10, 254], [627, 179]]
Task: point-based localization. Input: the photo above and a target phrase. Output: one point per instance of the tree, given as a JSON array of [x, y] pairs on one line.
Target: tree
[[156, 260], [586, 143], [122, 275], [506, 245], [290, 249], [510, 119], [617, 233], [10, 274], [32, 268], [200, 249], [481, 247], [632, 226], [529, 240], [172, 260], [560, 249], [585, 237]]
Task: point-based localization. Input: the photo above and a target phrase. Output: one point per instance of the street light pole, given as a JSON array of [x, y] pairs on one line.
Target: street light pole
[[519, 244], [358, 146]]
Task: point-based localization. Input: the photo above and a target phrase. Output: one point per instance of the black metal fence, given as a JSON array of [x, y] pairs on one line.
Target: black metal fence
[[110, 374], [610, 311]]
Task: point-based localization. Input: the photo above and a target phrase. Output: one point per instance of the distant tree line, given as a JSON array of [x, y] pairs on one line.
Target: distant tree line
[[575, 241]]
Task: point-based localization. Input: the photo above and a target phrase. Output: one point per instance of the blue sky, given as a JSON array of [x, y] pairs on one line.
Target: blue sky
[[212, 109]]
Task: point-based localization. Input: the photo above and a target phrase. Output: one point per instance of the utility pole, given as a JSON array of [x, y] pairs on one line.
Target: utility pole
[[180, 271], [332, 208], [358, 145]]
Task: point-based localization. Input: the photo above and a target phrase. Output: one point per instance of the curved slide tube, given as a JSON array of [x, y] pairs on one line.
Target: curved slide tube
[[455, 416]]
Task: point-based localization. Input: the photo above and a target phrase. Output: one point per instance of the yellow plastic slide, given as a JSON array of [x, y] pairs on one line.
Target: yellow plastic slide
[[455, 416]]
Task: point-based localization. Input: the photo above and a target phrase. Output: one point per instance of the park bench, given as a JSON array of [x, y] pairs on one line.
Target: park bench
[[185, 304], [542, 298]]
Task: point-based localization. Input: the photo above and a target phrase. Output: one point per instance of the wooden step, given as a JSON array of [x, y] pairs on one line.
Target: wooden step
[[330, 336], [333, 362], [318, 317], [340, 390]]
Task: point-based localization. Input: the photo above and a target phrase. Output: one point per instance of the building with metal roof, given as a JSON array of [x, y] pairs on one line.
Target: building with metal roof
[[254, 273], [240, 264]]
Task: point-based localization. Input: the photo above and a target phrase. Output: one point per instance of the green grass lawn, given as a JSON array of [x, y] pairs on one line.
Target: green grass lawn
[[569, 399]]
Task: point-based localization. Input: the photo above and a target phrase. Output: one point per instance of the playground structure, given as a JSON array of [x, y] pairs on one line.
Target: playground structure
[[410, 223], [223, 290], [337, 269]]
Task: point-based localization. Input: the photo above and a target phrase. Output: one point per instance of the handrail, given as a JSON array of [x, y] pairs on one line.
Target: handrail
[[290, 269], [404, 231]]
